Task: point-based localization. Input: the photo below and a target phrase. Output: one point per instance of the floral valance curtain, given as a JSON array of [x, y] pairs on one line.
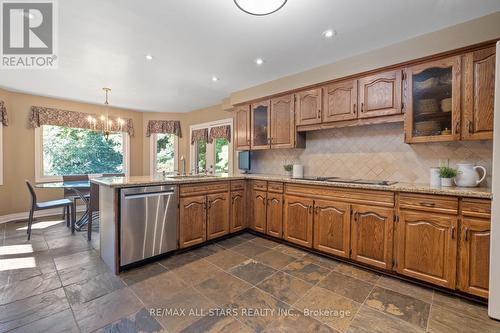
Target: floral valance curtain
[[220, 132], [199, 135], [48, 116], [3, 114], [164, 126]]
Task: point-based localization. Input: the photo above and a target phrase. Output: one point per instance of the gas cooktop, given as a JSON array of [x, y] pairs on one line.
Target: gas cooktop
[[352, 181]]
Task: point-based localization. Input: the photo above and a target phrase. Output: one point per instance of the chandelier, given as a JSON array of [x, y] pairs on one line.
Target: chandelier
[[260, 7], [106, 124]]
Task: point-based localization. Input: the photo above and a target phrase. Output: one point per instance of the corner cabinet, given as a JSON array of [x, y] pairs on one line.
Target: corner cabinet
[[479, 91], [309, 107], [380, 94], [433, 104], [372, 235], [242, 135]]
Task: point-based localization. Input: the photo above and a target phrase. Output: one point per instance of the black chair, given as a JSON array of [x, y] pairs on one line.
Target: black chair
[[71, 195], [64, 203]]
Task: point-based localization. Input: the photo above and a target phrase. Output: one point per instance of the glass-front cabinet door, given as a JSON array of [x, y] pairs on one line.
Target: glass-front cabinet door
[[432, 98], [260, 135]]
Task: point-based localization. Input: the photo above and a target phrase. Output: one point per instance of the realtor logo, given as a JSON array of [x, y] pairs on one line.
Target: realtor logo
[[29, 34]]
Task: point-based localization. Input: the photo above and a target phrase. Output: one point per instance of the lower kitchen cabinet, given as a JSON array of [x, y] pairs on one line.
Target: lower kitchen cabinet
[[427, 247], [332, 227], [298, 220], [274, 225], [474, 256], [259, 211], [192, 226], [217, 215], [372, 235], [238, 213]]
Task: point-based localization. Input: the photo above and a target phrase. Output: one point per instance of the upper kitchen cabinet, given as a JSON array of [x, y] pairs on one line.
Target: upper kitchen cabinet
[[432, 94], [340, 101], [260, 121], [282, 122], [478, 98], [308, 107], [242, 124], [380, 94]]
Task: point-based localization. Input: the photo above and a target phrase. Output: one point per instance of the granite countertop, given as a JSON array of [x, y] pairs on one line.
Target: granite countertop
[[471, 192]]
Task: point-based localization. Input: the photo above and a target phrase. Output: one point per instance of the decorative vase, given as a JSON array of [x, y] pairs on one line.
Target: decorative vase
[[467, 175], [446, 182]]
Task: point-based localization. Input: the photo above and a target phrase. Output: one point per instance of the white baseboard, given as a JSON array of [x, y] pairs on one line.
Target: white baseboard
[[38, 213]]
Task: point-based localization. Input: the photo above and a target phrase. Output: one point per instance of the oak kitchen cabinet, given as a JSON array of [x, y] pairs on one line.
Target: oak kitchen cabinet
[[274, 225], [267, 208], [242, 127], [478, 97], [309, 106], [332, 227], [380, 94], [298, 220], [372, 235], [340, 101], [204, 212], [238, 216], [260, 133]]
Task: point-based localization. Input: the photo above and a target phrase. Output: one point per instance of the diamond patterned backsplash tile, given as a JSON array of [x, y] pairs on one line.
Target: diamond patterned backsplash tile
[[373, 152]]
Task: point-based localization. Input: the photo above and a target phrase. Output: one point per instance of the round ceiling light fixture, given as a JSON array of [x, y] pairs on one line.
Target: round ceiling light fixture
[[260, 7]]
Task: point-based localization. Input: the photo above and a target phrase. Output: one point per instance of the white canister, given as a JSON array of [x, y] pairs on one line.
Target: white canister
[[298, 171], [435, 178]]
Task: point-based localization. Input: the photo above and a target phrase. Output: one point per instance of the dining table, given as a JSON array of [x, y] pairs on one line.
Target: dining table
[[77, 187]]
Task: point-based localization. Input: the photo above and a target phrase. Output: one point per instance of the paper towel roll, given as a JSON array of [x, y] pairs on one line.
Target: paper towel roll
[[298, 171]]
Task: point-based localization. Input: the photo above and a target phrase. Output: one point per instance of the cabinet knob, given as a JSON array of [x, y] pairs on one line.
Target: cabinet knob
[[362, 107], [466, 234], [319, 113], [354, 106], [469, 127], [453, 232]]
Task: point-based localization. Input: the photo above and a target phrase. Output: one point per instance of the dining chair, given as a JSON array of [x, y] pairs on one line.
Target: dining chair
[[70, 194], [66, 204], [94, 201]]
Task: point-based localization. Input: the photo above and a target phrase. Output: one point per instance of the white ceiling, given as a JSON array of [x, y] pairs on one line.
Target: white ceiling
[[104, 43]]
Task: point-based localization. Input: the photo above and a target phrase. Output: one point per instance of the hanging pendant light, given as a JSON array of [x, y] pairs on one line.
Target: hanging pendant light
[[106, 122], [260, 7]]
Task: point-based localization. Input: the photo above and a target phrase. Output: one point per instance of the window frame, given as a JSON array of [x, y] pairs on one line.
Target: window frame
[[1, 154], [210, 146], [39, 173], [153, 140]]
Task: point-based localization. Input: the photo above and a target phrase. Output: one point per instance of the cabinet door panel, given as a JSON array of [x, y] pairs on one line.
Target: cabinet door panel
[[260, 130], [192, 226], [340, 101], [371, 235], [282, 122], [242, 125], [238, 214], [332, 226], [275, 215], [298, 220], [427, 247], [479, 91], [475, 256], [380, 94], [217, 215], [309, 106], [259, 211]]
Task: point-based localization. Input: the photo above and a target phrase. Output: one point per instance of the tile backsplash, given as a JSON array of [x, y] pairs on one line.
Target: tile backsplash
[[373, 152]]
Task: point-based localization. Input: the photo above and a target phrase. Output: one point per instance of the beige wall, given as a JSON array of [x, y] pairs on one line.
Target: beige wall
[[475, 31], [19, 147]]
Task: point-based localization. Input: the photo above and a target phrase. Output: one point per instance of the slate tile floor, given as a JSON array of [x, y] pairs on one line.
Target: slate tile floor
[[57, 283]]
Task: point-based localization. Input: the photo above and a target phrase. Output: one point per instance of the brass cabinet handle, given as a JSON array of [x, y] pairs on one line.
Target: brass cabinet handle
[[310, 209], [317, 210], [466, 234], [362, 107], [469, 127], [319, 113], [457, 127], [356, 216], [427, 204], [452, 232], [209, 204], [354, 108]]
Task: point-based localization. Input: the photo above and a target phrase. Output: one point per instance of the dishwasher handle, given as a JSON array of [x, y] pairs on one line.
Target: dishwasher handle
[[147, 195]]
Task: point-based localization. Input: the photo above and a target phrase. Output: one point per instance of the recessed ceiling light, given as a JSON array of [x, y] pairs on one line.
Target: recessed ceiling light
[[215, 78], [259, 61], [149, 57], [329, 33]]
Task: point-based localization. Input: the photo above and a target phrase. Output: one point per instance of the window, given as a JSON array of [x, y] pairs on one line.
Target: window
[[77, 151], [1, 154], [215, 157], [163, 153]]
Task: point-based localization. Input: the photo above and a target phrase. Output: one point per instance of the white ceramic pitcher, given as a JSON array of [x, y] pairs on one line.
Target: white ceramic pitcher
[[467, 175]]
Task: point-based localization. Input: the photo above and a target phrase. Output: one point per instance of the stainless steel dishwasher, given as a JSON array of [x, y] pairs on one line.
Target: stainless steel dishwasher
[[148, 222]]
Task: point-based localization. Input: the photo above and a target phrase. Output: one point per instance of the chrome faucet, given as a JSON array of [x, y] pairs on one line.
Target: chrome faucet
[[183, 160]]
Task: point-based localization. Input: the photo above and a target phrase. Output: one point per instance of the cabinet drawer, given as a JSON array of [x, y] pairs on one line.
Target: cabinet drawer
[[275, 187], [260, 185], [203, 188], [432, 203], [476, 208], [237, 185]]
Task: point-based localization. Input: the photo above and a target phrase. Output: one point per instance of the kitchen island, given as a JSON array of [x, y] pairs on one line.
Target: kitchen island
[[384, 227]]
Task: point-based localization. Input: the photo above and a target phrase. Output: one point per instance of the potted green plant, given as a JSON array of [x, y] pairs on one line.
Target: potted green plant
[[447, 174], [288, 169]]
